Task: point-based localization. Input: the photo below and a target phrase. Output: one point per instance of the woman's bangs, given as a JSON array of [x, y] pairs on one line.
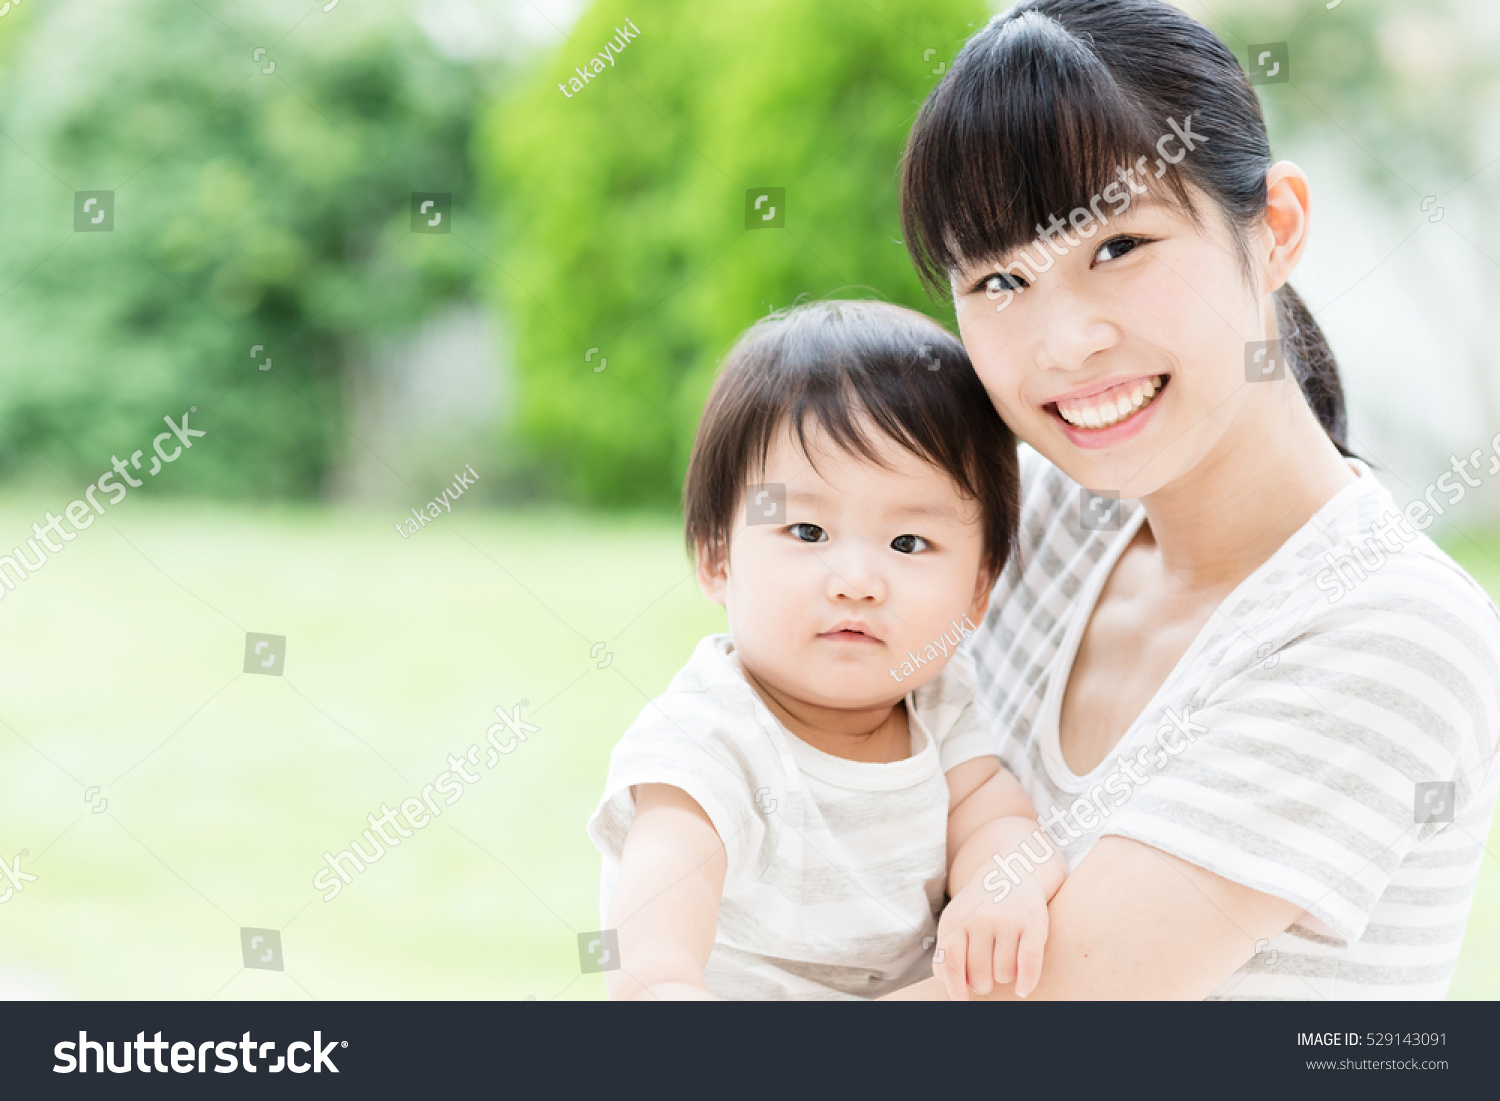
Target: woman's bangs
[[1027, 125]]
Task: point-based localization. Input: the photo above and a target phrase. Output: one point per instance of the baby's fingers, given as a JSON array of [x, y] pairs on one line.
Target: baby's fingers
[[1029, 956], [981, 961], [1004, 956], [954, 950]]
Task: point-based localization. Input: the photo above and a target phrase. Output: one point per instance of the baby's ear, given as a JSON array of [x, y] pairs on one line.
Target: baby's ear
[[713, 569], [983, 586]]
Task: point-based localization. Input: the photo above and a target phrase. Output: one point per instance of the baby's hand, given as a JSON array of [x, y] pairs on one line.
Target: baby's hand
[[982, 942]]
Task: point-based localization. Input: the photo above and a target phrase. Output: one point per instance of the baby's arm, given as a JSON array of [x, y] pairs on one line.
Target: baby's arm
[[665, 905], [985, 941]]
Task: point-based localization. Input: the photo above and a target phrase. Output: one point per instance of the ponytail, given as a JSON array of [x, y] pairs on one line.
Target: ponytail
[[1312, 365]]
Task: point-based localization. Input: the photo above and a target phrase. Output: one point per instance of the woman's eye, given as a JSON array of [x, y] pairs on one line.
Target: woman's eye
[[909, 544], [1117, 247], [996, 285], [808, 533]]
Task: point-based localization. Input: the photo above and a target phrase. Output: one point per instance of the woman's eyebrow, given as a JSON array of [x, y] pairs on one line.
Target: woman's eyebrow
[[1147, 203]]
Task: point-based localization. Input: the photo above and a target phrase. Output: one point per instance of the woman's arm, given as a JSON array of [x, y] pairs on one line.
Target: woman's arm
[[665, 905], [1132, 922]]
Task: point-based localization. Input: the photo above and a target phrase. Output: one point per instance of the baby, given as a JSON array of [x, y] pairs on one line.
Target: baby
[[786, 819]]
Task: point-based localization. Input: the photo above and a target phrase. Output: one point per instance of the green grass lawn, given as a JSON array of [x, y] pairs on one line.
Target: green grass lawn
[[121, 668]]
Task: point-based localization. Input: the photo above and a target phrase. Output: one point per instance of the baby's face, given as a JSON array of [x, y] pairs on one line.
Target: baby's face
[[867, 567]]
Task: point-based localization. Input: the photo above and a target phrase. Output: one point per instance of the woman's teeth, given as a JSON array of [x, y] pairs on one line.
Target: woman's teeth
[[1113, 405]]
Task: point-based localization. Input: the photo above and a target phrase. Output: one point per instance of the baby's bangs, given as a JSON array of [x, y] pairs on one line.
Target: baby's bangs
[[1028, 123]]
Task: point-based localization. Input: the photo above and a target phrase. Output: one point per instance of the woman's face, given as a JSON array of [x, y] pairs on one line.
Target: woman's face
[[1124, 363]]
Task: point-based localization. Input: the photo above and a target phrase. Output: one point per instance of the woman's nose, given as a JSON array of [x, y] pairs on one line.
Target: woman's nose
[[1074, 328]]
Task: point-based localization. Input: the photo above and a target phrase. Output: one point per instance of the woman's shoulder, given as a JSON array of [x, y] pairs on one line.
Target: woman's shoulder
[[1362, 560], [1372, 619]]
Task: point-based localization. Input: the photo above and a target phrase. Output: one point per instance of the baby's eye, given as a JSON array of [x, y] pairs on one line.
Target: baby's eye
[[808, 533], [909, 544]]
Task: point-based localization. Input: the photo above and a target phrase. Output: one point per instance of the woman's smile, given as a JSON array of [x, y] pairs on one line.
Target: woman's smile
[[1102, 416]]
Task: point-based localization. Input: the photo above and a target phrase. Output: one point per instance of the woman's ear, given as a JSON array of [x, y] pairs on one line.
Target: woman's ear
[[713, 569], [1288, 221]]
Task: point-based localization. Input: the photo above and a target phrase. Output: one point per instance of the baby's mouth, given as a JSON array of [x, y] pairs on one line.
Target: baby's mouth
[[847, 632], [1112, 406]]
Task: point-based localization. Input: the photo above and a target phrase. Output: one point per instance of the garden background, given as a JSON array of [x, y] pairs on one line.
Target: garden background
[[267, 267]]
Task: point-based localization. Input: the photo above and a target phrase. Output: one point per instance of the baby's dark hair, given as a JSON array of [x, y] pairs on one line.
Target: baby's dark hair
[[846, 365]]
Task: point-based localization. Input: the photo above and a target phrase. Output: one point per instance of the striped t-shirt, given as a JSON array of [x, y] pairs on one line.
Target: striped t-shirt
[[836, 869], [1329, 738]]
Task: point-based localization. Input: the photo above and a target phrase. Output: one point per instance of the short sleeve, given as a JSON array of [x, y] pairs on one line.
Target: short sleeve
[[950, 707], [684, 743], [1303, 776]]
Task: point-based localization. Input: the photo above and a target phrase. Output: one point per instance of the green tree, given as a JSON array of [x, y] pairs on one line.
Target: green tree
[[260, 198], [623, 208]]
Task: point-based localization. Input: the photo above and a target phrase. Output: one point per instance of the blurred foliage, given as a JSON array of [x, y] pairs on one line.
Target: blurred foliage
[[250, 208], [622, 208], [1415, 86]]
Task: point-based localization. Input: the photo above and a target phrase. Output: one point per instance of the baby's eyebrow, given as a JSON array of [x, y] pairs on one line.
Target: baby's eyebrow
[[914, 508], [940, 511]]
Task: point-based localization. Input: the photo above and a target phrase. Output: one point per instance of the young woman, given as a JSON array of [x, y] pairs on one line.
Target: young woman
[[1254, 705]]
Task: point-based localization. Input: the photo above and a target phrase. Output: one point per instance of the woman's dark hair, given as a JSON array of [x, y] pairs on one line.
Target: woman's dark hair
[[1044, 106], [849, 367]]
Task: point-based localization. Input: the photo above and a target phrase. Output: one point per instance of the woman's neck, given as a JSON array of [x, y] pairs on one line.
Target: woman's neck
[[1219, 522]]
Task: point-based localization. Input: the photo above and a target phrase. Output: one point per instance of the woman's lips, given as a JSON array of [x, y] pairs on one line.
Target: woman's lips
[[1141, 396]]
